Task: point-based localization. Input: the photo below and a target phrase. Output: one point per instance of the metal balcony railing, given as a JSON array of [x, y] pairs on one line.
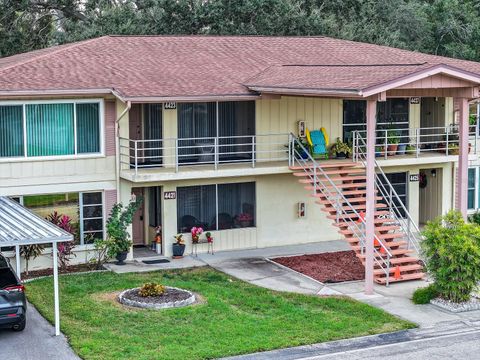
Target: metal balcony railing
[[176, 153], [415, 141]]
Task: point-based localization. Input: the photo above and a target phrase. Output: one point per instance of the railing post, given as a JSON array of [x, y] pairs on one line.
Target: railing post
[[290, 144], [176, 155], [354, 155], [215, 156], [391, 199], [253, 151], [388, 270], [476, 136], [386, 144], [408, 232], [135, 146], [446, 137], [417, 142], [314, 179]]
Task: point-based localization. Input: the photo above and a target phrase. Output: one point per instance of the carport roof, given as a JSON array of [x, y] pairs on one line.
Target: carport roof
[[20, 226]]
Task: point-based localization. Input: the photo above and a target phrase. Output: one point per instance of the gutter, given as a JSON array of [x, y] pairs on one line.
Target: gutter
[[117, 146]]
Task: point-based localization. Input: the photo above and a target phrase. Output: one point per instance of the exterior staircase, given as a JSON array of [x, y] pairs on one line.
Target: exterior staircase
[[340, 189]]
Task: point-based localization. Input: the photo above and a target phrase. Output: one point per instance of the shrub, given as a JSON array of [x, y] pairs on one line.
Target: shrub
[[151, 289], [451, 249], [30, 252], [475, 218], [424, 295], [65, 249]]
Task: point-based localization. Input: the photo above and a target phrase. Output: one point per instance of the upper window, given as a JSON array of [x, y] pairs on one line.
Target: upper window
[[50, 129]]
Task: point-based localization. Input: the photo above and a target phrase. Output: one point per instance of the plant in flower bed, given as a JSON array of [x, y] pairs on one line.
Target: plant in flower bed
[[65, 249], [235, 317], [151, 289], [451, 248]]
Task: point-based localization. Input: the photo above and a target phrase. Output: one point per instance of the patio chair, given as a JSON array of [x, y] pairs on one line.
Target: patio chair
[[319, 144]]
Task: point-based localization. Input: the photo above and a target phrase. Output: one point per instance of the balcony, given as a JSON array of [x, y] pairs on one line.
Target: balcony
[[203, 157], [403, 146]]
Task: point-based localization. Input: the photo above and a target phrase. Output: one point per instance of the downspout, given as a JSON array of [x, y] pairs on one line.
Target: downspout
[[117, 145]]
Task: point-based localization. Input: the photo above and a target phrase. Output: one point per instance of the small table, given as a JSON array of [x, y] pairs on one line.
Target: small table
[[210, 246]]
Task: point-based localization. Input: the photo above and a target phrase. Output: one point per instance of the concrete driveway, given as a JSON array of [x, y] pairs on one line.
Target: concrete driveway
[[36, 342]]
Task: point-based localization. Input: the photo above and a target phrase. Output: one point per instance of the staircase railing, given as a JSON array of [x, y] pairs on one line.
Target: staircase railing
[[387, 191], [322, 183]]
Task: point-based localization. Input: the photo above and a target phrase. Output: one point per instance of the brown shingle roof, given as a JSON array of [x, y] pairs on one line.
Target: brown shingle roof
[[195, 66]]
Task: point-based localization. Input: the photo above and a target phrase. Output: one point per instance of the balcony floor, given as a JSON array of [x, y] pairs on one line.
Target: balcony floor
[[186, 172]]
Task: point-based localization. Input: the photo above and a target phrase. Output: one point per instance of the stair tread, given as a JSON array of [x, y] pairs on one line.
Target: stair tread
[[402, 260], [389, 245], [351, 200], [326, 165], [355, 216], [356, 207], [340, 186], [404, 277], [376, 220], [330, 172], [345, 193], [377, 228], [393, 252], [403, 268], [333, 179]]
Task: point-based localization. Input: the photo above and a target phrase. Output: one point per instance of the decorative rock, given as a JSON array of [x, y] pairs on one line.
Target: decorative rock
[[130, 298], [473, 304]]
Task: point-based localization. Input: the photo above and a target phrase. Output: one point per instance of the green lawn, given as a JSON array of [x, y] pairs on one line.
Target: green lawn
[[236, 317]]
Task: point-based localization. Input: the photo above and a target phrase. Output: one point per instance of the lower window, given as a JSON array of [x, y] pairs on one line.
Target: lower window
[[216, 207], [85, 210]]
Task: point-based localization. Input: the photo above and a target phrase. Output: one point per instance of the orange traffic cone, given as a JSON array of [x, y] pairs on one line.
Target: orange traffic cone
[[382, 250], [361, 217], [397, 274], [376, 243]]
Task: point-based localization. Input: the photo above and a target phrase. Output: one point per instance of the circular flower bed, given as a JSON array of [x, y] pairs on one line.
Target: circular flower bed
[[172, 298]]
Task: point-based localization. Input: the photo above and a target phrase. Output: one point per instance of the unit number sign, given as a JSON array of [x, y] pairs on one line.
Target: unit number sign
[[170, 195]]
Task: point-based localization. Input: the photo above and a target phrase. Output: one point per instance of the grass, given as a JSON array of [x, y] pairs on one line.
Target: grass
[[235, 318]]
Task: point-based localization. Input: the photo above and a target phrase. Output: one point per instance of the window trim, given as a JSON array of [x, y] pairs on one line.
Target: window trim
[[216, 205], [476, 192], [26, 158]]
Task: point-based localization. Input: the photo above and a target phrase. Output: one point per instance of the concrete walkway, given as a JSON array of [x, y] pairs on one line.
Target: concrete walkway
[[36, 342]]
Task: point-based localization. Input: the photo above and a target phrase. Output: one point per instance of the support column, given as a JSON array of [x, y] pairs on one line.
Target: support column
[[55, 289], [462, 175], [370, 210], [17, 262]]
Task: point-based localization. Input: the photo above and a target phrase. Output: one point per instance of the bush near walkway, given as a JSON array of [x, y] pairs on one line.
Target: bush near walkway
[[234, 317], [451, 248]]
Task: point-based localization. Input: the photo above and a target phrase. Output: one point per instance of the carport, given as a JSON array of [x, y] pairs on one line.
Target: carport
[[19, 226]]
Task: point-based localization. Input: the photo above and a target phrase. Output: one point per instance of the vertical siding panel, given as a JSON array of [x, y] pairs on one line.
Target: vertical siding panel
[[110, 117], [309, 118]]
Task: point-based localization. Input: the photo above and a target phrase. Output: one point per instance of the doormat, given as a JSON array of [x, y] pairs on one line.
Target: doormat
[[158, 261]]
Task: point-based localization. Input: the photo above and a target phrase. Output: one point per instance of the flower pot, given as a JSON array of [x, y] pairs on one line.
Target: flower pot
[[121, 257], [341, 156], [245, 223], [178, 249], [401, 149], [392, 149]]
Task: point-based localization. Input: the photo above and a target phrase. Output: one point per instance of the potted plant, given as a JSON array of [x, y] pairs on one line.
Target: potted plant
[[196, 232], [392, 140], [379, 151], [245, 219], [178, 247], [340, 149], [209, 237], [118, 238], [410, 149], [402, 148]]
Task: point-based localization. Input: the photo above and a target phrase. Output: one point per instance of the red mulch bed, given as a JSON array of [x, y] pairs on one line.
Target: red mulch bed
[[68, 270], [330, 267]]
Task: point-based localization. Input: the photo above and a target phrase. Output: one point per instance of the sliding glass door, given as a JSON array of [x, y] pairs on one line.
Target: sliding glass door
[[227, 125]]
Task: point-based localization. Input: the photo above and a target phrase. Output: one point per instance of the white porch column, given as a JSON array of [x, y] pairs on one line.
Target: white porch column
[[17, 262], [370, 213], [55, 289], [462, 175]]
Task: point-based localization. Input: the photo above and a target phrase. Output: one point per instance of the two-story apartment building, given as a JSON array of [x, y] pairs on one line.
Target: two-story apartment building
[[207, 129]]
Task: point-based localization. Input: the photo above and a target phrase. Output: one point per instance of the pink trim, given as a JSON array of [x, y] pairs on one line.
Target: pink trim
[[462, 178], [110, 200], [370, 210], [437, 69], [110, 117]]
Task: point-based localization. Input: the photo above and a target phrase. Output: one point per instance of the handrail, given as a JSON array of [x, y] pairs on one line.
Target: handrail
[[338, 199], [388, 194]]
